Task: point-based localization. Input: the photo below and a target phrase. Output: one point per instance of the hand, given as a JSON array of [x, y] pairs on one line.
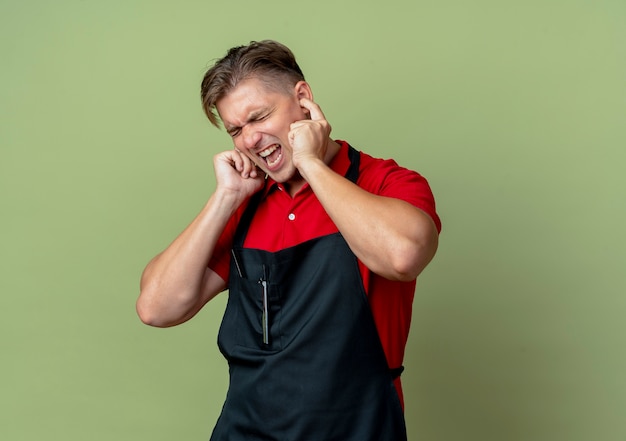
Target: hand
[[309, 138], [236, 173]]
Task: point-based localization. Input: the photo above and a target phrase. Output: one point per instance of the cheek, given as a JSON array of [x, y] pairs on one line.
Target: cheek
[[238, 143]]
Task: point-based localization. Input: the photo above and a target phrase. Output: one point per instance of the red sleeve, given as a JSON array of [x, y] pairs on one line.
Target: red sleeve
[[387, 178], [220, 261]]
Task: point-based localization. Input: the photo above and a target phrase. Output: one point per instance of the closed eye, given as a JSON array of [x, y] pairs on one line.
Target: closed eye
[[254, 118], [234, 132]]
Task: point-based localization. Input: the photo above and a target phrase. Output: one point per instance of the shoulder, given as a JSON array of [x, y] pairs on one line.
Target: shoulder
[[381, 176], [385, 177]]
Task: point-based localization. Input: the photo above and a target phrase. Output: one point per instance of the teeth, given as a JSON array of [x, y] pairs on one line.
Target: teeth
[[268, 151], [275, 161]]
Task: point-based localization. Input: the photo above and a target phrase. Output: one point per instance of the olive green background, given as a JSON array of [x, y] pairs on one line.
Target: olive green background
[[514, 110]]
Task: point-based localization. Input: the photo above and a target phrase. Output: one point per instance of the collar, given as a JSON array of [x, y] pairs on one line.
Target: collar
[[339, 164]]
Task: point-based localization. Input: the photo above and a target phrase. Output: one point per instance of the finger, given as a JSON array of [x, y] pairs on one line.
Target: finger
[[313, 108], [297, 124], [248, 167], [238, 160]]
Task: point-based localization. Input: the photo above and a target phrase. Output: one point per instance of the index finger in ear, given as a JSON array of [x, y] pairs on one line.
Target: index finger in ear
[[313, 108]]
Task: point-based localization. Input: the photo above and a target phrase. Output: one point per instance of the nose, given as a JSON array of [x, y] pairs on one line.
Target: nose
[[250, 136]]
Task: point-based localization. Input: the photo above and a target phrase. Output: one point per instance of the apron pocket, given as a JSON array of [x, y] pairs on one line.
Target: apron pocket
[[243, 322]]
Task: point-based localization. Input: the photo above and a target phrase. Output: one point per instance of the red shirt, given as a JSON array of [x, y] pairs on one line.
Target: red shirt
[[282, 221]]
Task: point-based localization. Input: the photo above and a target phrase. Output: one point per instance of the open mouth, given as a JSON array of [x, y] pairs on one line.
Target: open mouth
[[272, 154]]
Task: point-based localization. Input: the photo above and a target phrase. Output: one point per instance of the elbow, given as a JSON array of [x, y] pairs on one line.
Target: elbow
[[148, 304], [155, 311], [405, 269], [148, 311], [146, 314], [415, 250], [144, 306], [412, 258]]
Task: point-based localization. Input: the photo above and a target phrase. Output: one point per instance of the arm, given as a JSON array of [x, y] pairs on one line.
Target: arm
[[391, 237], [176, 283]]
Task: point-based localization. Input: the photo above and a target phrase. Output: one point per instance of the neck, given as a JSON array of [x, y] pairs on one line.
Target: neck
[[332, 148]]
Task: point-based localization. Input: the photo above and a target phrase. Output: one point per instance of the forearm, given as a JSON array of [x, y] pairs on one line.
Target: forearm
[[390, 236], [174, 284]]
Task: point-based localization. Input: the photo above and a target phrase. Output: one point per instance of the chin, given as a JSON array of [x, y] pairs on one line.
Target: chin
[[283, 174], [288, 177]]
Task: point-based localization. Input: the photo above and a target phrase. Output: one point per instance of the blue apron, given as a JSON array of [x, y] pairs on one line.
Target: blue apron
[[304, 355]]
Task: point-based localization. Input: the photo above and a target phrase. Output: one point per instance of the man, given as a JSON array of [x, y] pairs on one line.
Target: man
[[319, 246]]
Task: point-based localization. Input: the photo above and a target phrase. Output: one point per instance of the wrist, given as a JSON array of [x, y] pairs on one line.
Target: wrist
[[311, 168], [226, 200]]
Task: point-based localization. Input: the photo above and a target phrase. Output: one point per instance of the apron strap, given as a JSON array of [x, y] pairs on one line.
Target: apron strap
[[395, 373], [355, 161]]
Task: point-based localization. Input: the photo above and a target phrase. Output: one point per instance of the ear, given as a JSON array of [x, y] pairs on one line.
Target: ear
[[303, 90]]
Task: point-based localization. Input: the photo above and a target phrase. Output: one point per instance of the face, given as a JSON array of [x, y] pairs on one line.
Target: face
[[258, 120]]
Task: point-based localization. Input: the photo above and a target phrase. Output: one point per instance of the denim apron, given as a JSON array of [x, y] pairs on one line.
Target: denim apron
[[305, 359]]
